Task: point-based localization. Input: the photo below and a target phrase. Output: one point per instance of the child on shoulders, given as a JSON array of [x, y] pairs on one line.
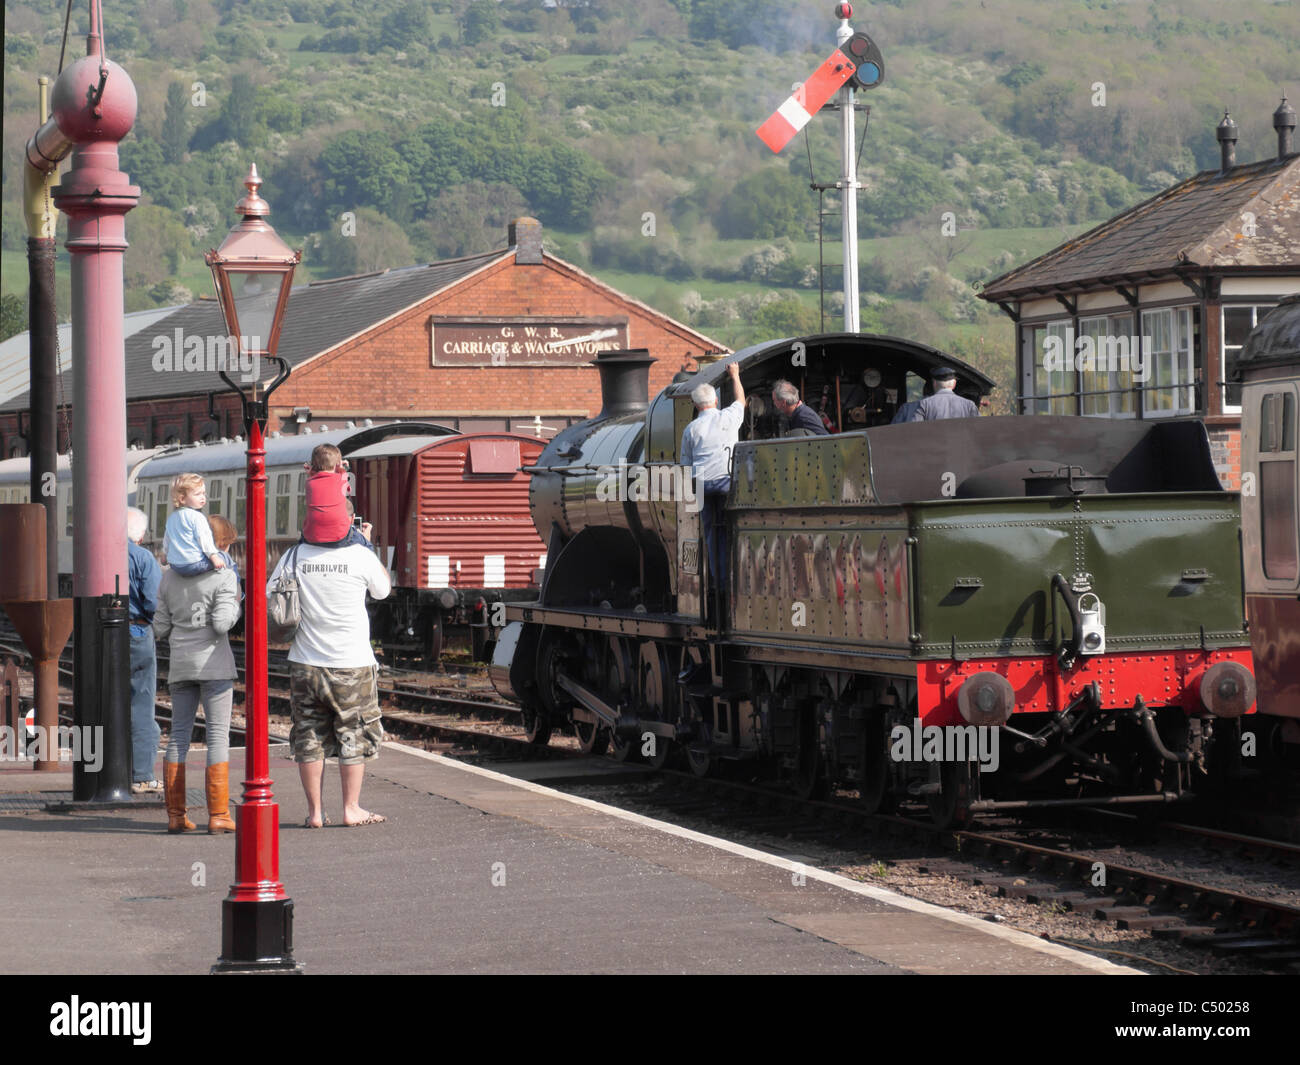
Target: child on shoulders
[[188, 542], [329, 513]]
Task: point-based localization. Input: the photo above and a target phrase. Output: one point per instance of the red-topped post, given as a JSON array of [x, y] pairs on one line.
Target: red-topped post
[[253, 270]]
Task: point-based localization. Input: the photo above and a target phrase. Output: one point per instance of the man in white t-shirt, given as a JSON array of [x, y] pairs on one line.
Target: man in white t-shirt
[[332, 672]]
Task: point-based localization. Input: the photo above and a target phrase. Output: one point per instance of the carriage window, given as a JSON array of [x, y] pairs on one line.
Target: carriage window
[[1277, 487], [282, 501], [239, 503], [302, 498], [215, 492], [160, 511]]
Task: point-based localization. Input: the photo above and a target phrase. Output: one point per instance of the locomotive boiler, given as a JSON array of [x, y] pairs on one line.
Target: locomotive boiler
[[986, 612]]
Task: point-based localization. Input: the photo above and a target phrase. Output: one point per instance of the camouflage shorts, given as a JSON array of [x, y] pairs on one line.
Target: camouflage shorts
[[335, 713]]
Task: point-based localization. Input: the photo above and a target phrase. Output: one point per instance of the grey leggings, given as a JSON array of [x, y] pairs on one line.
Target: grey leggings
[[216, 696]]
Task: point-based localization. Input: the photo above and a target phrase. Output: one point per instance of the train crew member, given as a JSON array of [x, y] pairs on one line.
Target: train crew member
[[196, 613], [785, 397], [329, 519], [332, 672], [143, 576], [945, 403], [706, 445], [188, 543]]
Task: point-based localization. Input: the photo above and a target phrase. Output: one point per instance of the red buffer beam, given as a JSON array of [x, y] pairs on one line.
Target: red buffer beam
[[806, 101]]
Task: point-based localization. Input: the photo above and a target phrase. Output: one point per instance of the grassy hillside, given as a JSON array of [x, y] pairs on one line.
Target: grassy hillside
[[400, 131]]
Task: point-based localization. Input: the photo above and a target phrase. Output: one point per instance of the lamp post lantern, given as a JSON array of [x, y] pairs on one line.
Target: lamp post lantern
[[253, 270]]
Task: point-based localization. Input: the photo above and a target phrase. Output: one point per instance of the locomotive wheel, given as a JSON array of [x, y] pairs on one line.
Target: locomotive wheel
[[950, 808], [874, 793], [619, 685], [658, 699], [537, 726], [593, 738], [810, 766]]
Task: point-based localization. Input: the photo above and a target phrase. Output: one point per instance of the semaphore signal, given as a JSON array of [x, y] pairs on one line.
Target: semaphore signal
[[856, 63]]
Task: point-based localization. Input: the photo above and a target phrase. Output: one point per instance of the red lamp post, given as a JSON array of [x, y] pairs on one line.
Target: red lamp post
[[253, 270]]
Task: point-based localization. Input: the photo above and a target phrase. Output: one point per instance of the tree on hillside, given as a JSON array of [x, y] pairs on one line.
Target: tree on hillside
[[160, 246], [13, 315], [409, 24], [481, 21], [367, 243], [471, 218], [766, 205], [175, 128]]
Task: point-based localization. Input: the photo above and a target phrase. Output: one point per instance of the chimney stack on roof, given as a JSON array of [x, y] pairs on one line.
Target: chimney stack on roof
[[1227, 134], [525, 236], [1284, 123]]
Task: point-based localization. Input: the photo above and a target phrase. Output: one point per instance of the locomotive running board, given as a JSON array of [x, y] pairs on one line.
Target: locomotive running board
[[661, 626]]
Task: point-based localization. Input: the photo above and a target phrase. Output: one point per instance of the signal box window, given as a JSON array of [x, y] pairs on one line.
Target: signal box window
[[1237, 324], [1277, 487]]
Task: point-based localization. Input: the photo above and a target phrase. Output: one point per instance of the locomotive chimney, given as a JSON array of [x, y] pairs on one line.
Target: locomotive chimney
[[1284, 123], [1227, 134], [624, 381]]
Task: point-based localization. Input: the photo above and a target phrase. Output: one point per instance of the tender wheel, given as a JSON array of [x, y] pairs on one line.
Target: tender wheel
[[621, 750], [874, 792], [950, 807], [810, 767]]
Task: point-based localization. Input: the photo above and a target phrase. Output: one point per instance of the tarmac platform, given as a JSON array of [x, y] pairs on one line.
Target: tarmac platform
[[475, 871]]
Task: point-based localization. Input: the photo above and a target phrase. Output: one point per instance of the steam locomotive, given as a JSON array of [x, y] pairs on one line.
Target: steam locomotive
[[984, 612]]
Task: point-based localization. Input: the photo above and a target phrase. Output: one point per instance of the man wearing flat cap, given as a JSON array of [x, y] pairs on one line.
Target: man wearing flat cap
[[945, 403]]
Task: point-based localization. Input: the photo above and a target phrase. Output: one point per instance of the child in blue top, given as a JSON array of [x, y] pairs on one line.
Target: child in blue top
[[188, 542]]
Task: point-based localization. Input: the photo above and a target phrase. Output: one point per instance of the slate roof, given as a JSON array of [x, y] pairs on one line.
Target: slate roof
[[15, 353], [320, 316], [1192, 226]]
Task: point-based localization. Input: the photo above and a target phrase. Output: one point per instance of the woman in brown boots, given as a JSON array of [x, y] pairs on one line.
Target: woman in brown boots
[[196, 613]]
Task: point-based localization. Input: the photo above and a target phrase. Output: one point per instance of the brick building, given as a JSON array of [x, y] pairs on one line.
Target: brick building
[[1178, 281], [502, 340]]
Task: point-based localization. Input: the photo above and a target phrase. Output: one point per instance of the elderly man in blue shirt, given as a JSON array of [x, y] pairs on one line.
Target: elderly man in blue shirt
[[706, 447], [143, 575]]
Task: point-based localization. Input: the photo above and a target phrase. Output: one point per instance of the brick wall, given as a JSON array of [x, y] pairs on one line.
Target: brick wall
[[1225, 450]]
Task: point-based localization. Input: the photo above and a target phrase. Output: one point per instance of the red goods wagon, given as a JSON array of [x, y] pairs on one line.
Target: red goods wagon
[[452, 521]]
